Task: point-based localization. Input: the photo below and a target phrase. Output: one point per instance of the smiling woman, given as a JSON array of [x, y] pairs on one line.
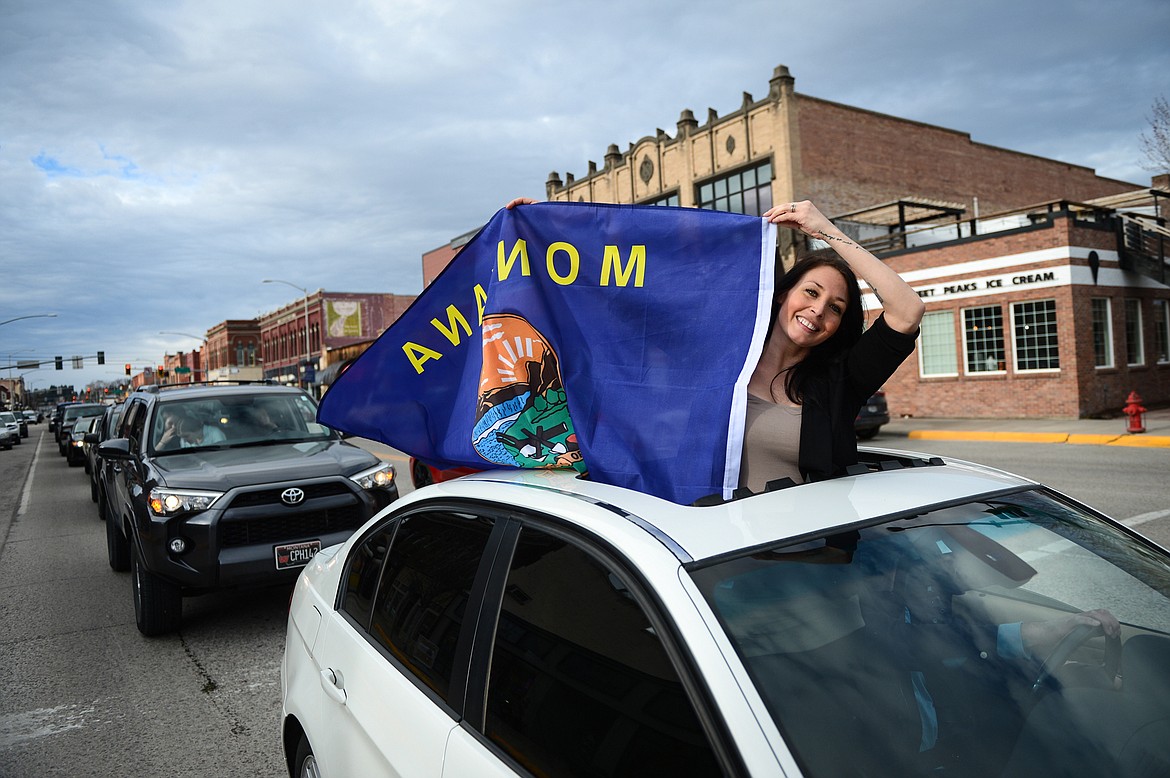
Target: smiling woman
[[817, 368]]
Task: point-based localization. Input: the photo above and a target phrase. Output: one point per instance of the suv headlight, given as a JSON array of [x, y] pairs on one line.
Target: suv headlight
[[378, 477], [168, 502]]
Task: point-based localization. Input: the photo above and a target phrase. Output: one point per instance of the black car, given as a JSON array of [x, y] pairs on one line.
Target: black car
[[75, 446], [70, 415], [219, 486], [872, 416], [58, 412], [99, 469]]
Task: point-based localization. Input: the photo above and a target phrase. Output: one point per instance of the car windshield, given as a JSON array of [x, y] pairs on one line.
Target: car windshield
[[80, 411], [919, 645], [236, 420], [7, 417]]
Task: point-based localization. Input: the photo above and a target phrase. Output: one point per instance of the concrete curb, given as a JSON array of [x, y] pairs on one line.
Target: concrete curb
[[1130, 440]]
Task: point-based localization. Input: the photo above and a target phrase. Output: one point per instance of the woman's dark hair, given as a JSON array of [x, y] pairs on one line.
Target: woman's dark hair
[[852, 322]]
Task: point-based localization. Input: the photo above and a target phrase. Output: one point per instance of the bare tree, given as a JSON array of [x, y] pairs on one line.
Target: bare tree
[[1156, 143]]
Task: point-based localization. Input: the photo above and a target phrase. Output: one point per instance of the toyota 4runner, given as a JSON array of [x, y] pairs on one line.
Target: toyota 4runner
[[219, 486]]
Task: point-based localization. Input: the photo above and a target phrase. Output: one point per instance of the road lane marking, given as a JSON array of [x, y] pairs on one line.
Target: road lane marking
[[17, 728], [26, 494], [1142, 518]]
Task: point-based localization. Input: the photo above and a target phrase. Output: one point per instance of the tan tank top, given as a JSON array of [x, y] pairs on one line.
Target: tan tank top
[[771, 443]]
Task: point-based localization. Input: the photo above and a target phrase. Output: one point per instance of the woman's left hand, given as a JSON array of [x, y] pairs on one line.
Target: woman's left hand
[[801, 215]]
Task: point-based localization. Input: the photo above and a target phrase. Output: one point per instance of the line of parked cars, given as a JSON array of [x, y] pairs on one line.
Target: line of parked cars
[[14, 426]]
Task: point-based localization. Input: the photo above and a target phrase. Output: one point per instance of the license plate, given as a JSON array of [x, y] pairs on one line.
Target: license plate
[[293, 555]]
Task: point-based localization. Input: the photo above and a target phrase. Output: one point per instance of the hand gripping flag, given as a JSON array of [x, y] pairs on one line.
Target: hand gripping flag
[[616, 340]]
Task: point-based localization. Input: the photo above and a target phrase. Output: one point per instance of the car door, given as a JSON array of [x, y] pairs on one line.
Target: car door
[[393, 655], [575, 677], [126, 477]]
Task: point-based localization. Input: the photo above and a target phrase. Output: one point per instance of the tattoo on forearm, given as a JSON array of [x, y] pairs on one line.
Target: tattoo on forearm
[[826, 236]]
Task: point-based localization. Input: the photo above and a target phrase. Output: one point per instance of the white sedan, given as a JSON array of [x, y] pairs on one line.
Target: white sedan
[[917, 617]]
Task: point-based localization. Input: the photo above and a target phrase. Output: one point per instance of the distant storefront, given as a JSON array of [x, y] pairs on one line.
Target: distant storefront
[[1061, 316]]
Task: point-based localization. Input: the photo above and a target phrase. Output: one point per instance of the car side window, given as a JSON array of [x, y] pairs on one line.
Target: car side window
[[422, 595], [580, 683], [361, 579], [134, 423]]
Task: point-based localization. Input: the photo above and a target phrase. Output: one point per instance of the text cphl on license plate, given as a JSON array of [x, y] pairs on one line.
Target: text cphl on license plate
[[296, 554]]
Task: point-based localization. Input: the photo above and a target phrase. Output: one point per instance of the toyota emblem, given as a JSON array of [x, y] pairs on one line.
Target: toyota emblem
[[292, 496]]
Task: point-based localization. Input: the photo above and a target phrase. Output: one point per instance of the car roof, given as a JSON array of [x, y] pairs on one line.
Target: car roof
[[695, 533], [188, 391]]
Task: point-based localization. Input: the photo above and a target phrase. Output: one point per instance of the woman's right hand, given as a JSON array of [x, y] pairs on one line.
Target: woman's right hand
[[519, 201]]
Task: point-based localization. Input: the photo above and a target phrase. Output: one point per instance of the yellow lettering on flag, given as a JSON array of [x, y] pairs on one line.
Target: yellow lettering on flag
[[574, 262], [419, 355], [480, 301], [450, 331], [622, 273], [504, 267]]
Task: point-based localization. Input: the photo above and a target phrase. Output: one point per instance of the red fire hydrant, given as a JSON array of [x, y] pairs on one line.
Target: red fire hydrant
[[1134, 410]]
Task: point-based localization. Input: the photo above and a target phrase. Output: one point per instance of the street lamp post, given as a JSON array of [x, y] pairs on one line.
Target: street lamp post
[[30, 316], [306, 293], [199, 338]]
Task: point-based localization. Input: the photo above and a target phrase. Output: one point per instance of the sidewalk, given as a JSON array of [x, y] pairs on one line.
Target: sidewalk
[[1099, 432]]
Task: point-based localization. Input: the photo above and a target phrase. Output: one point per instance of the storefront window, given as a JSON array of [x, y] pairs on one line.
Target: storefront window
[[937, 354], [1102, 333], [747, 191], [983, 339], [1162, 330], [1035, 342], [1135, 346]]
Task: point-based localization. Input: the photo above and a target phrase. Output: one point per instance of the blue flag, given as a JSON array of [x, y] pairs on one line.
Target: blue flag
[[616, 340]]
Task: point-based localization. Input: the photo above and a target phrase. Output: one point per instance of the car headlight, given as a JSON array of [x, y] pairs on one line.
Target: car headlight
[[378, 477], [168, 502]]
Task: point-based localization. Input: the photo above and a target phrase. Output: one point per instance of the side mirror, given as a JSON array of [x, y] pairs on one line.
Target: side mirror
[[91, 438], [115, 448]]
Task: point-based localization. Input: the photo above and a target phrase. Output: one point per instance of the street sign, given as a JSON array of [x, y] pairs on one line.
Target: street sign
[[182, 370]]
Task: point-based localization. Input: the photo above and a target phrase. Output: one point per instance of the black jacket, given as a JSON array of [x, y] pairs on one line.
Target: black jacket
[[832, 399]]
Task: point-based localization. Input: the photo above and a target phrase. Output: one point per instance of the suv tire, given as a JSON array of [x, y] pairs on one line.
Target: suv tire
[[117, 547], [158, 603], [421, 475]]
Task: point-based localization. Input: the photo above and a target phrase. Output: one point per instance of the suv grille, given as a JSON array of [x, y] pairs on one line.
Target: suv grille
[[292, 525], [259, 516], [272, 496]]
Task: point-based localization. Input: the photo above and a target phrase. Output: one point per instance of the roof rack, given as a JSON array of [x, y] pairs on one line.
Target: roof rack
[[155, 388], [868, 462]]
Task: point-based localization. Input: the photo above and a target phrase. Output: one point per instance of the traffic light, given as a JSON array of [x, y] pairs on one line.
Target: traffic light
[[60, 362], [101, 357], [127, 368]]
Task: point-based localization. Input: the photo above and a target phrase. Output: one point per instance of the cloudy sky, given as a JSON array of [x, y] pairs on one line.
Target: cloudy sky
[[159, 158]]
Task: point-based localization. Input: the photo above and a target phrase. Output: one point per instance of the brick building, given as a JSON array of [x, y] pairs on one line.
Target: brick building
[[1045, 283], [1059, 310], [334, 320], [232, 351], [183, 367]]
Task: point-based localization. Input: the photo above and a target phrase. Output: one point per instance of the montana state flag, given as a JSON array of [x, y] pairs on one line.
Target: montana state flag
[[615, 340]]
